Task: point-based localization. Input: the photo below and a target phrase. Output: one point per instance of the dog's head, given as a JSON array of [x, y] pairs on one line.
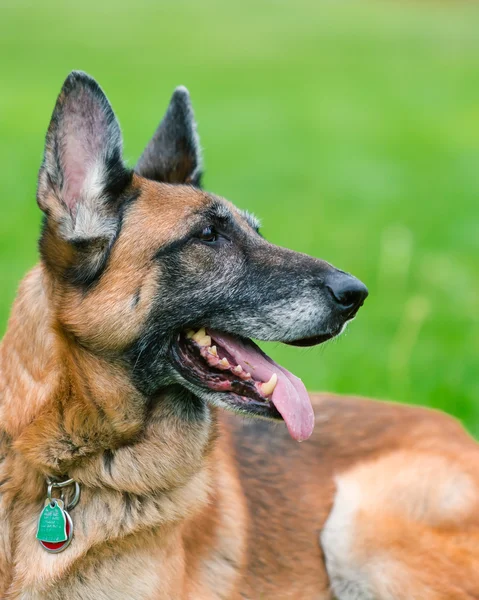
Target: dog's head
[[168, 280]]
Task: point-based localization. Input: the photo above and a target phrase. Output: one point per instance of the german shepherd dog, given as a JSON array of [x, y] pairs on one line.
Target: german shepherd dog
[[123, 346]]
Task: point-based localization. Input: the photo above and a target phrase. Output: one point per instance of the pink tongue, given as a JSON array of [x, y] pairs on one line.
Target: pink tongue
[[289, 396]]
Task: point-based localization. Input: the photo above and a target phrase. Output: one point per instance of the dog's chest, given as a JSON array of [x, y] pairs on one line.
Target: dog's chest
[[146, 564]]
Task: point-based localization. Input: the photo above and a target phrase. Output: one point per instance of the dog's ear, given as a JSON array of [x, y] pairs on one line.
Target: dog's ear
[[82, 177], [173, 154]]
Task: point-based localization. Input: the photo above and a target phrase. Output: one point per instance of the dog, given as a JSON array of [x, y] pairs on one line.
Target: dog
[[124, 346]]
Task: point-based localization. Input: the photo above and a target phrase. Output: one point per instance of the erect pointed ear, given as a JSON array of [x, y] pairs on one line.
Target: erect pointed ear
[[173, 154], [82, 177]]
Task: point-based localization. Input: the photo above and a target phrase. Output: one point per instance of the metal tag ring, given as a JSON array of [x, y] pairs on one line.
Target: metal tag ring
[[55, 485], [60, 484], [75, 499]]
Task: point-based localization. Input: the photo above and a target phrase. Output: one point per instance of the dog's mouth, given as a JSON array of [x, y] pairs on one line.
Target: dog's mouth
[[248, 380]]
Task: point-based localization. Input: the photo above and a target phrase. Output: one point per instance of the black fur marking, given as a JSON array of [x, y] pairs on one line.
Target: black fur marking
[[136, 298], [173, 246], [185, 405], [128, 503], [219, 213], [108, 458], [173, 154]]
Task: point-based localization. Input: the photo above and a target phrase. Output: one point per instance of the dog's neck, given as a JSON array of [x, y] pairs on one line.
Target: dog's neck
[[71, 412], [143, 469]]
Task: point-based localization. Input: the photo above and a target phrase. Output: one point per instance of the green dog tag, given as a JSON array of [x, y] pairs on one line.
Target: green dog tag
[[52, 525]]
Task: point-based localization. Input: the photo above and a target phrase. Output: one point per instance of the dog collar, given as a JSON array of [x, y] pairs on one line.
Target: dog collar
[[55, 526]]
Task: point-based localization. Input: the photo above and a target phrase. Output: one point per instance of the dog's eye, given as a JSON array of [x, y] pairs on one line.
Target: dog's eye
[[208, 235]]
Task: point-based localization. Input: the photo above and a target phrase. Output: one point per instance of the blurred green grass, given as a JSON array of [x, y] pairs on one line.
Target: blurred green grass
[[350, 128]]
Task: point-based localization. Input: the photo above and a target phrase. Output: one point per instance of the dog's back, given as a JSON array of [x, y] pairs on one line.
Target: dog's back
[[382, 502]]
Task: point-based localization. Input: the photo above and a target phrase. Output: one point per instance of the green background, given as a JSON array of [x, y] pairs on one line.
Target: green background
[[350, 128]]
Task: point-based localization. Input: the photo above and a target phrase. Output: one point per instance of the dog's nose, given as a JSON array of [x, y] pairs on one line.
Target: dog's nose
[[348, 292]]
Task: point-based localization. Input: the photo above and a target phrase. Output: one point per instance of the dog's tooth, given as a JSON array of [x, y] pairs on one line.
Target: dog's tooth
[[247, 376], [213, 351], [224, 362], [268, 387], [199, 335], [201, 338], [238, 369]]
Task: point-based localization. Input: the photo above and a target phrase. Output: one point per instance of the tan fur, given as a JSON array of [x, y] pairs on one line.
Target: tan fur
[[406, 525], [383, 496]]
